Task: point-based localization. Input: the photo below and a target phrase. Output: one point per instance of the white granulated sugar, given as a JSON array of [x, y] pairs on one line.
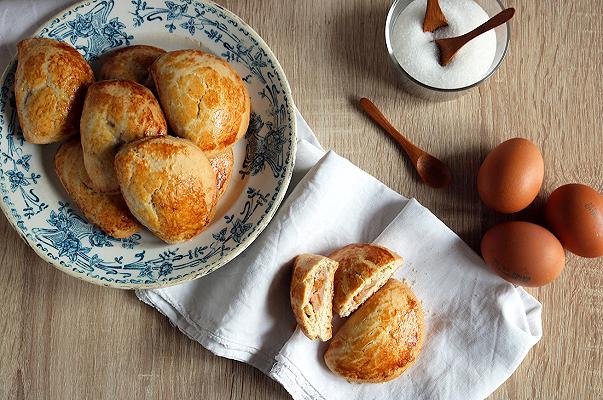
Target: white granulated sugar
[[418, 54]]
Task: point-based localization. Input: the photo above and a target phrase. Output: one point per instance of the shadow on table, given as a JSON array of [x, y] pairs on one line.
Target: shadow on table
[[358, 41], [183, 359]]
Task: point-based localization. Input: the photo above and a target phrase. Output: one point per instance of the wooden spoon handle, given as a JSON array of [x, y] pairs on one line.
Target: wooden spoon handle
[[499, 19], [434, 17], [413, 151]]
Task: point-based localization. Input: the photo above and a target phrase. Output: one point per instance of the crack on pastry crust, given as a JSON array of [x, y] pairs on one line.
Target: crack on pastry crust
[[200, 101], [57, 92], [222, 164], [199, 107], [27, 97], [152, 200]]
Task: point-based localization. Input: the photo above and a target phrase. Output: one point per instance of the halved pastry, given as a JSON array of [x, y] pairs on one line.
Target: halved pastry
[[50, 85], [116, 112], [203, 97], [382, 339], [363, 269], [222, 164], [131, 63], [169, 186], [109, 212], [312, 295]]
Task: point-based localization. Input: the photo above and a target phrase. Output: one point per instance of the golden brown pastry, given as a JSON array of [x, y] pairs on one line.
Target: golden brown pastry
[[109, 212], [50, 85], [222, 164], [363, 269], [203, 97], [312, 295], [115, 112], [169, 186], [131, 63], [380, 340]]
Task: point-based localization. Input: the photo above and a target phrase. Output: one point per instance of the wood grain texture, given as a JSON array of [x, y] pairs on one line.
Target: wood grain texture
[[61, 338]]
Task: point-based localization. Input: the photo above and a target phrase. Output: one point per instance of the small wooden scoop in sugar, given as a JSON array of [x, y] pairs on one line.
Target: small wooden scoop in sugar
[[418, 54]]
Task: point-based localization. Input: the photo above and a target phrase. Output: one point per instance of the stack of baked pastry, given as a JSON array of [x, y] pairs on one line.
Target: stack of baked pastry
[[120, 161], [384, 334]]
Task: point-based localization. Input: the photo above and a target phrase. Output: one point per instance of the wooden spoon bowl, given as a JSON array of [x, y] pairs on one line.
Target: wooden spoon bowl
[[431, 170], [434, 17], [450, 46]]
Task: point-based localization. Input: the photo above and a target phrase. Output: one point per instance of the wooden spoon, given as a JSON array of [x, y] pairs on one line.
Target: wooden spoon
[[434, 17], [449, 47], [431, 170]]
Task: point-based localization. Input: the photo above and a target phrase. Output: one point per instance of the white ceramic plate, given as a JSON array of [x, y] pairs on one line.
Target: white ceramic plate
[[40, 210]]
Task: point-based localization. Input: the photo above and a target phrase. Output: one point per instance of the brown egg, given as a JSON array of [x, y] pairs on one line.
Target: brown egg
[[511, 175], [523, 253], [574, 213]]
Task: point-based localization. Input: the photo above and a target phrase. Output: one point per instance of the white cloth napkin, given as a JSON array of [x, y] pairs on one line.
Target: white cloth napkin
[[479, 327]]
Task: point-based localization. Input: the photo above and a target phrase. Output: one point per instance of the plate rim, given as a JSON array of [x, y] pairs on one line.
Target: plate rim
[[239, 249]]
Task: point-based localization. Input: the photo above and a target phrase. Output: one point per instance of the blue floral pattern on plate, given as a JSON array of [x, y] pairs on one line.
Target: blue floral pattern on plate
[[35, 204]]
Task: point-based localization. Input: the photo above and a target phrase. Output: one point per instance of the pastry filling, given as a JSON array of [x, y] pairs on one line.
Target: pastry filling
[[317, 308], [371, 286], [318, 289]]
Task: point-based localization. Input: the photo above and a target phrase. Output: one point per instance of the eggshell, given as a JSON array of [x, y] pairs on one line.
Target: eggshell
[[511, 176], [574, 213], [523, 253]]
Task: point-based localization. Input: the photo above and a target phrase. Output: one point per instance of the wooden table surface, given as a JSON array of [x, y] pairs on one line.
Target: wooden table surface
[[61, 338]]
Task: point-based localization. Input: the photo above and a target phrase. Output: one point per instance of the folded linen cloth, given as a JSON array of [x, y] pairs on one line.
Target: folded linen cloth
[[479, 327]]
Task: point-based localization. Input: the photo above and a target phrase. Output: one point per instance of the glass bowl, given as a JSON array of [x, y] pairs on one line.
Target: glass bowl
[[425, 91]]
